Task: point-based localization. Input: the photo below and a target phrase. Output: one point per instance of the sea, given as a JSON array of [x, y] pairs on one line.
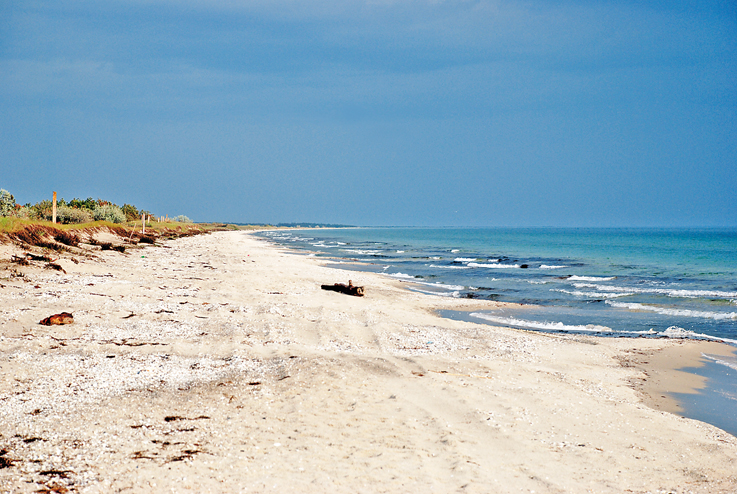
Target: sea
[[607, 282]]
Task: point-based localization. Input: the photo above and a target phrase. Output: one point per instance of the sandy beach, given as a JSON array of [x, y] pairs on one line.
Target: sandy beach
[[215, 363]]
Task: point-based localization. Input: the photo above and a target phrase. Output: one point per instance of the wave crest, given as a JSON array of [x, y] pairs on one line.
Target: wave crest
[[666, 311], [551, 326]]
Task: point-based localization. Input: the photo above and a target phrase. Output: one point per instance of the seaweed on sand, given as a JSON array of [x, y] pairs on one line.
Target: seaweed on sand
[[66, 238], [37, 236]]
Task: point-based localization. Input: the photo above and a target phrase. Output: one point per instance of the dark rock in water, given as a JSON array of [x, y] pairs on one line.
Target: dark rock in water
[[524, 266], [61, 318]]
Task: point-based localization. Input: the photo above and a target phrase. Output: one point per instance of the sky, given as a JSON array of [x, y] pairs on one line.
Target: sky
[[383, 112]]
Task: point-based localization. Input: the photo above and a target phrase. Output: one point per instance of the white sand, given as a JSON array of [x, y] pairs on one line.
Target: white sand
[[217, 364]]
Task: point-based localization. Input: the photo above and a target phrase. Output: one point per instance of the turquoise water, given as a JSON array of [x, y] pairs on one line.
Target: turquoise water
[[617, 282], [654, 283]]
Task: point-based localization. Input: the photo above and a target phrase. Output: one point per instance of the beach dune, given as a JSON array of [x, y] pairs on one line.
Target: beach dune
[[216, 363]]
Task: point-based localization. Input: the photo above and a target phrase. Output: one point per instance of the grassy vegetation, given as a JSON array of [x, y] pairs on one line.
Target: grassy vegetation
[[31, 224], [14, 227]]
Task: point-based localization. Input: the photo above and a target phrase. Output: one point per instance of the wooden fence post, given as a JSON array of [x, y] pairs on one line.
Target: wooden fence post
[[143, 221], [53, 210]]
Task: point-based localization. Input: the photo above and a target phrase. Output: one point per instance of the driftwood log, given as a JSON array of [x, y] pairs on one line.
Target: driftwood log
[[62, 318], [348, 289]]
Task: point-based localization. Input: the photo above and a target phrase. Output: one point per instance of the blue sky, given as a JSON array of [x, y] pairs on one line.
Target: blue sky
[[465, 113]]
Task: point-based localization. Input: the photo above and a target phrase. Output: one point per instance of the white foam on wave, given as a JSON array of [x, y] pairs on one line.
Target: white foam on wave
[[439, 285], [455, 250], [545, 266], [680, 333], [440, 294], [465, 259], [660, 291], [400, 252], [579, 293], [449, 267], [495, 266], [535, 282], [402, 276], [362, 252], [717, 316], [551, 326], [590, 278], [730, 362]]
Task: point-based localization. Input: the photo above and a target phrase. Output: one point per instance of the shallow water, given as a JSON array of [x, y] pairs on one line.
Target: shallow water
[[675, 283], [668, 283], [717, 403]]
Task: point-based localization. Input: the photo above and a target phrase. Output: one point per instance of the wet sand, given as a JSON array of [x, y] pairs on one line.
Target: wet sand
[[217, 364], [664, 374]]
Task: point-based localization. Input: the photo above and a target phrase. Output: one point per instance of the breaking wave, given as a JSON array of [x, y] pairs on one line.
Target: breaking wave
[[449, 267], [680, 333], [579, 293], [441, 294], [402, 276], [660, 291], [590, 278], [440, 285], [730, 362], [550, 326], [495, 266], [666, 311]]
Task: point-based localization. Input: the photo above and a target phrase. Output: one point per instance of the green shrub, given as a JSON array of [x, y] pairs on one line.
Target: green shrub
[[182, 219], [131, 212], [109, 212], [70, 212], [66, 215], [7, 203], [88, 203], [40, 210], [24, 213]]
